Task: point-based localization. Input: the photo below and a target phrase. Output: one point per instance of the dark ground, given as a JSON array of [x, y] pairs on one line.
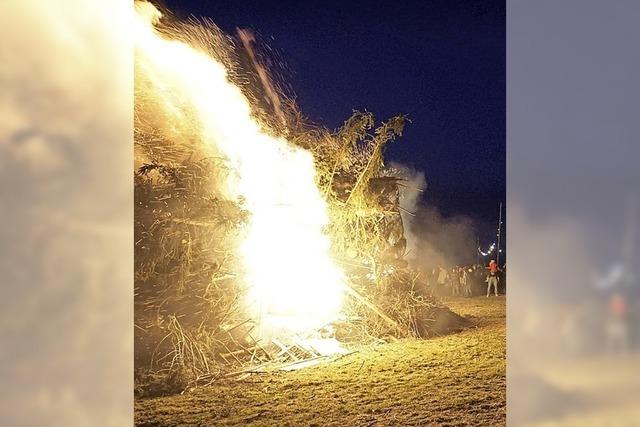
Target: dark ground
[[458, 379]]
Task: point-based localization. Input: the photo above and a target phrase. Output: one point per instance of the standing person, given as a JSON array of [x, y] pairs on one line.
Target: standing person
[[478, 278], [492, 278], [455, 281], [442, 279], [465, 282], [617, 329]]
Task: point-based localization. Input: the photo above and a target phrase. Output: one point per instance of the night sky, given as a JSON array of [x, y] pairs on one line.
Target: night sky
[[440, 62]]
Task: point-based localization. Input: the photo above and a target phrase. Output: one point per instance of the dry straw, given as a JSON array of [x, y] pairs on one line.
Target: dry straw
[[190, 327]]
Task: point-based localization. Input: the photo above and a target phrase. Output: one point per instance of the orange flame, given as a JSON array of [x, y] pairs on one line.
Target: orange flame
[[294, 285]]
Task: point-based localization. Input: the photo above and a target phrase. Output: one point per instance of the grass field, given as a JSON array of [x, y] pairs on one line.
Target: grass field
[[452, 380]]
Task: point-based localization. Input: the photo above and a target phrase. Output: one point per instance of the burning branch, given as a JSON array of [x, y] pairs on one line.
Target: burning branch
[[237, 230]]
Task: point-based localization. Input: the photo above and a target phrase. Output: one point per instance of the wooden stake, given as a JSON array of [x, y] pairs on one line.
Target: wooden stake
[[370, 306]]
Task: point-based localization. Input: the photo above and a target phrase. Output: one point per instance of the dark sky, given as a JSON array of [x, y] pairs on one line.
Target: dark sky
[[440, 62]]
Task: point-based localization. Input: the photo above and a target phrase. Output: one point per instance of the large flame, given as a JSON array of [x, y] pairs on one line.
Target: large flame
[[294, 285]]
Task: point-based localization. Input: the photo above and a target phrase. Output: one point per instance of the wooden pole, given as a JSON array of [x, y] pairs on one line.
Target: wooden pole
[[370, 306], [499, 228]]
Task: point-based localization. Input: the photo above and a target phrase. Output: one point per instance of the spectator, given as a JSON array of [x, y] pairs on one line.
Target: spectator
[[442, 279], [492, 278], [465, 281], [478, 278], [616, 327], [455, 281]]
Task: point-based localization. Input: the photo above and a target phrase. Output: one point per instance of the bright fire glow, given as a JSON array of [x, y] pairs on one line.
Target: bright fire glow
[[294, 285]]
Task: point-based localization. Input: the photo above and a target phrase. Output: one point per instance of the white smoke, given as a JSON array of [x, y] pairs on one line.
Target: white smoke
[[411, 190], [432, 239]]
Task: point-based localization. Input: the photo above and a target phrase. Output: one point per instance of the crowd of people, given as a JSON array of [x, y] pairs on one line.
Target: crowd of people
[[467, 281]]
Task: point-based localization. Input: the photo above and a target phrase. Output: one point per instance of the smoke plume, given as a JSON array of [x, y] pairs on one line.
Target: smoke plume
[[432, 239]]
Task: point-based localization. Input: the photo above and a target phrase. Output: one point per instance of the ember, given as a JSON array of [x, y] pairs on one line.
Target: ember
[[283, 239]]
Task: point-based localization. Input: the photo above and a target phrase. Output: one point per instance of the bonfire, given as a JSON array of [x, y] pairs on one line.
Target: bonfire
[[263, 241]]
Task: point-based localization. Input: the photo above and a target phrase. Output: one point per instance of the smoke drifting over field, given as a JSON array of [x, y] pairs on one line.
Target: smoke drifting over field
[[432, 239]]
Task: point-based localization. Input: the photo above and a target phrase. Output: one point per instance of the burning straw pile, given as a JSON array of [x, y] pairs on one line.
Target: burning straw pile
[[193, 324]]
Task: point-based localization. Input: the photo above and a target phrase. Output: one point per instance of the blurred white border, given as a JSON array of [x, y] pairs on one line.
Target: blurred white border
[[572, 168], [66, 240]]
